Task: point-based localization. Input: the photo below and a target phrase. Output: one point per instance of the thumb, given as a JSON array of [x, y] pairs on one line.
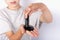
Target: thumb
[[27, 12], [22, 29]]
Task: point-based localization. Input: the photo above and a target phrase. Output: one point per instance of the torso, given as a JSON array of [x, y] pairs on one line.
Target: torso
[[16, 18]]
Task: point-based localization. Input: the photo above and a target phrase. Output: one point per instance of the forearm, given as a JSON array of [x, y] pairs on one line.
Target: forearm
[[17, 36], [46, 14]]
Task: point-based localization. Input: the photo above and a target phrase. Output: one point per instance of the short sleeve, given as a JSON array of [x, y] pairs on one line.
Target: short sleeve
[[4, 24], [35, 18]]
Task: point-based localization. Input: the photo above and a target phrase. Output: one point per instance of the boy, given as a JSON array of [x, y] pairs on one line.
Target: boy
[[12, 20]]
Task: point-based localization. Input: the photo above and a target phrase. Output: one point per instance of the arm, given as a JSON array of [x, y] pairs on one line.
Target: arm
[[18, 35], [46, 14], [15, 36]]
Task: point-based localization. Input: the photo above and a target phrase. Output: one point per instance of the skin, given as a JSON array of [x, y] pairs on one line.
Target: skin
[[46, 14], [45, 17], [18, 35]]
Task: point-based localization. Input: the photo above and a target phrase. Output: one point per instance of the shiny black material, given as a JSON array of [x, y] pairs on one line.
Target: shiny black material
[[27, 26]]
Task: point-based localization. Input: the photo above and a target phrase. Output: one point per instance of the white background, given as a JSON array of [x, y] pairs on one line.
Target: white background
[[47, 31]]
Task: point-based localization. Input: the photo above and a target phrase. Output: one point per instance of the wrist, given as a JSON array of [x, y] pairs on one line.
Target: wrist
[[22, 30]]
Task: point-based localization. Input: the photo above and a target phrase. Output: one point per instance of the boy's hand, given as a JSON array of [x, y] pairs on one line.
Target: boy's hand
[[33, 33], [32, 8]]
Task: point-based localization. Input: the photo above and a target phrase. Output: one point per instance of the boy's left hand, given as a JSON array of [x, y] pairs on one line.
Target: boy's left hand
[[32, 8], [33, 33]]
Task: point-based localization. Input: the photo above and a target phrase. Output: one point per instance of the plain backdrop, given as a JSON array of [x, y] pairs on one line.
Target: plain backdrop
[[47, 31]]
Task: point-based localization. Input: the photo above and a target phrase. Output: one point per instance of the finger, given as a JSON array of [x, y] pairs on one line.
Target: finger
[[35, 29], [36, 32], [22, 29], [27, 11], [30, 33], [30, 10]]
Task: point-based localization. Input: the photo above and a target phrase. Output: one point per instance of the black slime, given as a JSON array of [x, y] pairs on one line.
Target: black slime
[[27, 26]]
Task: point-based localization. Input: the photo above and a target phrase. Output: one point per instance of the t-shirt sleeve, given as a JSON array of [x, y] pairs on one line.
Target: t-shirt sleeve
[[35, 19], [38, 13], [4, 24]]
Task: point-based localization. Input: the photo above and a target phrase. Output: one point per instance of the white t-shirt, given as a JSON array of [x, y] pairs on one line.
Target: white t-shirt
[[10, 20]]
